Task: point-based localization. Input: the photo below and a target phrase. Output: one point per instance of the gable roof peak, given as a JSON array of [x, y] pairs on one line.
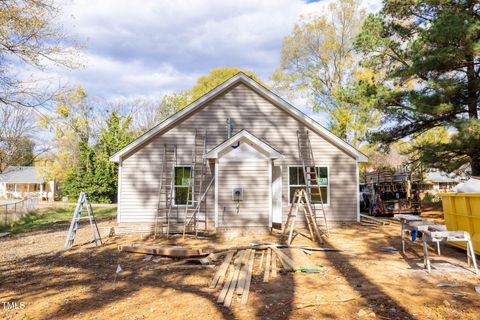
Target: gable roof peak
[[261, 90]]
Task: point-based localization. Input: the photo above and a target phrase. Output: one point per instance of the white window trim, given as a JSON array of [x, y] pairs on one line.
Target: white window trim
[[327, 204], [181, 186]]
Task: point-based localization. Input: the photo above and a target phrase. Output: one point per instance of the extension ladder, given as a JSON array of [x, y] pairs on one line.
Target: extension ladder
[[165, 190], [310, 174]]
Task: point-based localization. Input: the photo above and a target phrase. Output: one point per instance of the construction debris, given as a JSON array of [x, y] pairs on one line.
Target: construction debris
[[388, 249], [266, 275], [450, 285], [220, 274], [248, 280], [186, 264], [228, 289], [264, 246], [371, 219], [310, 270], [177, 252], [240, 275], [287, 263], [148, 257], [315, 304], [273, 268]]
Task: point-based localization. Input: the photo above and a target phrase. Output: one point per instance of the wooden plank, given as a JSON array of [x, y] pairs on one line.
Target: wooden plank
[[364, 216], [233, 283], [164, 251], [242, 278], [222, 269], [249, 277], [274, 265], [266, 275], [231, 271], [260, 264], [190, 266], [288, 264], [253, 246]]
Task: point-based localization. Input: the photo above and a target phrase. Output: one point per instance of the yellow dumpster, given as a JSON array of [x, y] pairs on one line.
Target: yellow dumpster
[[462, 212]]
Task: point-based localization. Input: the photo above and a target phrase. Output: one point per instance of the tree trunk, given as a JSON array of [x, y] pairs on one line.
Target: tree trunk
[[475, 164]]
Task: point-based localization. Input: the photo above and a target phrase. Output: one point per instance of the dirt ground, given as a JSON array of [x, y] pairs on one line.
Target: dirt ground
[[39, 281]]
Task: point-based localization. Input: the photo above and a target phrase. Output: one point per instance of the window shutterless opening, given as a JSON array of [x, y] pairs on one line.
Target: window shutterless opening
[[296, 180], [180, 185]]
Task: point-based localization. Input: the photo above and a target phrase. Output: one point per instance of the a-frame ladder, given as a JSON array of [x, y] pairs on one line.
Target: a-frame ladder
[[165, 190], [83, 202], [300, 199], [310, 175]]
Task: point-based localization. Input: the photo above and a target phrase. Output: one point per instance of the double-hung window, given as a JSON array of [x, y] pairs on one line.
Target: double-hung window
[[296, 180], [180, 187]]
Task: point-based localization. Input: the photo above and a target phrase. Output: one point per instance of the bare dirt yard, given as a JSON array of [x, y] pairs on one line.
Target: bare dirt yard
[[361, 282]]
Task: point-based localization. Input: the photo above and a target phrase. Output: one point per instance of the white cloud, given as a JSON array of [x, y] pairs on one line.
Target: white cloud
[[150, 47]]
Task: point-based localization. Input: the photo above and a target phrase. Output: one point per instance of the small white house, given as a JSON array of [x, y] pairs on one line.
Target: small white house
[[20, 182], [443, 182]]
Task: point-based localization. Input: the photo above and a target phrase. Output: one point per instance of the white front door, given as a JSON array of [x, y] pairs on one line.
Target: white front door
[[277, 194]]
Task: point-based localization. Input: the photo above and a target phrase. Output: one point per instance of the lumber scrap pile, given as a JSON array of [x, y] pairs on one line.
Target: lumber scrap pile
[[235, 273], [176, 252], [233, 277], [370, 219]]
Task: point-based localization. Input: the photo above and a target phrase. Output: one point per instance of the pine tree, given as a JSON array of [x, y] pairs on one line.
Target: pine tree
[[430, 53], [95, 174]]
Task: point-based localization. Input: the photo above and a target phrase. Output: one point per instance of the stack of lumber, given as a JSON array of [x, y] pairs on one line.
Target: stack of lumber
[[235, 277], [370, 219], [235, 273], [176, 252]]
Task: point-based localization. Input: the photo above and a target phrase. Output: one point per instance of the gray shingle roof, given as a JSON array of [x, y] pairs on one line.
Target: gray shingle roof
[[22, 175]]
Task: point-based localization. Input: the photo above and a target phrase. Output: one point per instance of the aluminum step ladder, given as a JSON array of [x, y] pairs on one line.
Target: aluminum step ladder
[[310, 175], [83, 202]]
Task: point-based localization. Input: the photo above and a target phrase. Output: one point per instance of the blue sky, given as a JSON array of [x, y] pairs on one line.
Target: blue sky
[[148, 48]]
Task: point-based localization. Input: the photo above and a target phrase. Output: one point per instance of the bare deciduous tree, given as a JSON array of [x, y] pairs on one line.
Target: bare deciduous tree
[[30, 36], [16, 131]]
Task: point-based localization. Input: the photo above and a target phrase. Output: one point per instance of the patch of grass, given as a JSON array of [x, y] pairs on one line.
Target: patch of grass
[[45, 217]]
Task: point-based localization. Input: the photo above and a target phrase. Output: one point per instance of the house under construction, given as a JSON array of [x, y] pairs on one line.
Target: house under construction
[[234, 159]]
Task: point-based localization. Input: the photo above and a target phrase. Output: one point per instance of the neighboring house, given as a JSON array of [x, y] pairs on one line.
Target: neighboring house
[[19, 182], [443, 182], [251, 145]]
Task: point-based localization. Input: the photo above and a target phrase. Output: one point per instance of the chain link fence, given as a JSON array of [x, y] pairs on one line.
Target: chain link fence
[[13, 211]]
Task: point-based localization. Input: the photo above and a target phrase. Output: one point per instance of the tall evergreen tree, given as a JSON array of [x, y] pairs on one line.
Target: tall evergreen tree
[[430, 53], [94, 173]]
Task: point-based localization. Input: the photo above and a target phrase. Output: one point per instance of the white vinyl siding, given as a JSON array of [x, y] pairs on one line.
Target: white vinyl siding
[[247, 110], [253, 178]]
